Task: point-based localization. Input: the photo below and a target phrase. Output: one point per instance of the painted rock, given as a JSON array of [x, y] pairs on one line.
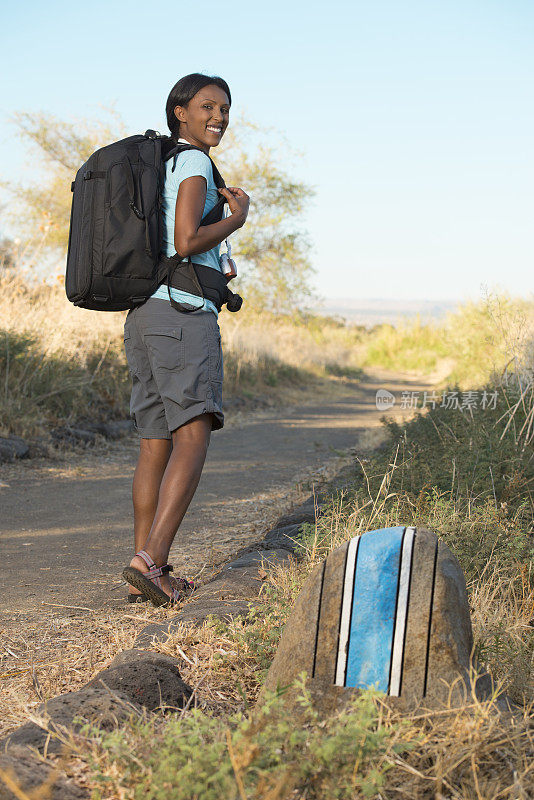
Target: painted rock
[[387, 609]]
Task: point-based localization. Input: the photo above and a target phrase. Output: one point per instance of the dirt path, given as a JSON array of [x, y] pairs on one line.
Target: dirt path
[[65, 526]]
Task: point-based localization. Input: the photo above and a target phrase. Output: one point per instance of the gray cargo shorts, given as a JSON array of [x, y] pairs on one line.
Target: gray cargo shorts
[[175, 360]]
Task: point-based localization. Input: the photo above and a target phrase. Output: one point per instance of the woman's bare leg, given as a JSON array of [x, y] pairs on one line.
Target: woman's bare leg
[[153, 458], [178, 485]]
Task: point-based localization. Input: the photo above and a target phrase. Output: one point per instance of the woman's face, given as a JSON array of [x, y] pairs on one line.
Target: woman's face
[[205, 118]]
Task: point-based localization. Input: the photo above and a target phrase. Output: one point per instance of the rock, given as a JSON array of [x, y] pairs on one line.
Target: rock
[[91, 427], [306, 512], [451, 637], [30, 772], [277, 539], [230, 584], [96, 705], [127, 657], [73, 435], [114, 429], [240, 579], [283, 538], [199, 612], [363, 616], [12, 447], [228, 595], [155, 632], [118, 428], [234, 402], [150, 680], [39, 448], [194, 615], [255, 558], [485, 688], [296, 649]]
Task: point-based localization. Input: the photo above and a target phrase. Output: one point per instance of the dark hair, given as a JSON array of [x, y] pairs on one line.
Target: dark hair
[[183, 91]]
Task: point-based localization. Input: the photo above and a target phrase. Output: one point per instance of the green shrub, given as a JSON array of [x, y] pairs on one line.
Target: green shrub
[[477, 341], [198, 757]]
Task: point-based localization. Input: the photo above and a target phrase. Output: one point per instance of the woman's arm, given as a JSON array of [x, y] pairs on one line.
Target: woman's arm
[[189, 237]]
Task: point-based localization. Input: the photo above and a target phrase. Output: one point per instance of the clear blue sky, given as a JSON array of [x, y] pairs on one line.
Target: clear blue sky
[[415, 118]]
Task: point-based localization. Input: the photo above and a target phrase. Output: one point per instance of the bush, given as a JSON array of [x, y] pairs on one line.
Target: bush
[[198, 757]]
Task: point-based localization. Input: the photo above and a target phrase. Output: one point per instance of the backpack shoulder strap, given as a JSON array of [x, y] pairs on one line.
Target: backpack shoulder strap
[[217, 177], [180, 148], [216, 212]]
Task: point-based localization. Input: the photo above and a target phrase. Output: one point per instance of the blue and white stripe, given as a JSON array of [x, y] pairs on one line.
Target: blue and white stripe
[[374, 609]]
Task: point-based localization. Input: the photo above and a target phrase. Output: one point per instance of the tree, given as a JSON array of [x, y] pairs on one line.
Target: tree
[[7, 257], [272, 243], [63, 147], [271, 249]]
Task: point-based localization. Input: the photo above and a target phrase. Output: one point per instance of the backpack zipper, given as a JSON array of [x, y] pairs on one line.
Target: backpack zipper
[[81, 294], [92, 224]]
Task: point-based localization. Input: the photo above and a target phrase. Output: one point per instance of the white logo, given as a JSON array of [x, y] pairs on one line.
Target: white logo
[[384, 400]]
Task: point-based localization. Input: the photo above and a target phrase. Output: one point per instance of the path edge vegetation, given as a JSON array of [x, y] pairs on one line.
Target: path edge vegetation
[[231, 748]]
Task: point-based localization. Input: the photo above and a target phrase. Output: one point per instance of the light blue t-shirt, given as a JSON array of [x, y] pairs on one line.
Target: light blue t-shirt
[[188, 164]]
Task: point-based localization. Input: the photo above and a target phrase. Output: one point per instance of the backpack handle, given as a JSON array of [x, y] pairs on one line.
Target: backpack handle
[[127, 164]]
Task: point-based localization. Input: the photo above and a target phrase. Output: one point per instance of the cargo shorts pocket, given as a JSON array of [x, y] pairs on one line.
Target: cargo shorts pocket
[[165, 347], [215, 355], [130, 355]]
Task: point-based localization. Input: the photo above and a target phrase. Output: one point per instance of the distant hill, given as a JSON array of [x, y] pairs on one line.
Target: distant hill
[[373, 311]]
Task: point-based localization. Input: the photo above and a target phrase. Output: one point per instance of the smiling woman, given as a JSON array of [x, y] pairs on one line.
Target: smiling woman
[[195, 109], [173, 342]]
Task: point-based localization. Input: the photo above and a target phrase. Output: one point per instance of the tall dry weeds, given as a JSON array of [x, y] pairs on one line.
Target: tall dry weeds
[[60, 364]]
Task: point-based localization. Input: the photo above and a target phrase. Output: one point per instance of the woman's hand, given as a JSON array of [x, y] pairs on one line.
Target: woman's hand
[[238, 202]]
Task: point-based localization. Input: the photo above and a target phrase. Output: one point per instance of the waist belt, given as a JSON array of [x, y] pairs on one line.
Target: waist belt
[[204, 282]]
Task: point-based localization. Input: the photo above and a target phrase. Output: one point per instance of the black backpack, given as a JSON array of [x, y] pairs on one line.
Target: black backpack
[[114, 258]]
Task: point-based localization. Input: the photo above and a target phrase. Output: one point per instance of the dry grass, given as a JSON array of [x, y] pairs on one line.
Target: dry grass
[[473, 343], [58, 648], [58, 655], [474, 752], [60, 364], [469, 753]]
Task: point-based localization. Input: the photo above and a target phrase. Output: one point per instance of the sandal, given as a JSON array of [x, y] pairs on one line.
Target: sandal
[[182, 584], [149, 582]]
